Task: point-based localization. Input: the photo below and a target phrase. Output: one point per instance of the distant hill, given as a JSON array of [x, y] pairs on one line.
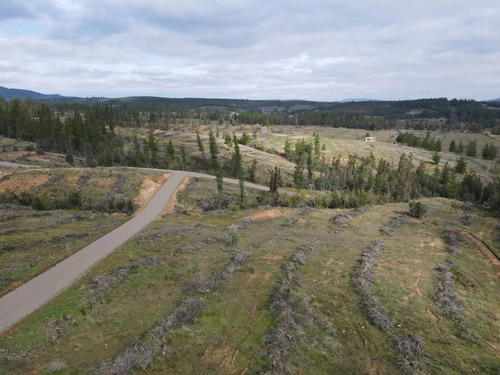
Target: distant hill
[[494, 100], [348, 100], [25, 94]]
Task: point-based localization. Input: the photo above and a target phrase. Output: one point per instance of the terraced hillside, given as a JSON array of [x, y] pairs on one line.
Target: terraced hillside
[[279, 290]]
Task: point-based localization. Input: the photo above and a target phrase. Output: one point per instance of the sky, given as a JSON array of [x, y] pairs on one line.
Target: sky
[[273, 49]]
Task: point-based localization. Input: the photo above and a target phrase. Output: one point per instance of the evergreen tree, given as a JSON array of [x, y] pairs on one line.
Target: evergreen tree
[[404, 178], [138, 160], [151, 149], [253, 170], [460, 148], [317, 147], [436, 157], [489, 152], [236, 165], [228, 140], [214, 163], [200, 144], [471, 149], [170, 154], [310, 164], [461, 165], [453, 146], [288, 149], [298, 174], [183, 158]]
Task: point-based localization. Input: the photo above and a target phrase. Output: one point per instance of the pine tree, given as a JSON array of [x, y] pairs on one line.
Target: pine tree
[[288, 149], [183, 158], [169, 154], [298, 174], [200, 143], [317, 147], [461, 165], [471, 149], [453, 146], [436, 157], [138, 155], [236, 165], [253, 170], [310, 164], [214, 163]]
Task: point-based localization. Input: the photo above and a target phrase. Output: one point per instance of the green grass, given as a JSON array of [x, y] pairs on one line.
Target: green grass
[[229, 336]]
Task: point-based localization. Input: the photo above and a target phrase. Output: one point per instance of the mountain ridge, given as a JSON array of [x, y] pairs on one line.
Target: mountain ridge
[[8, 93]]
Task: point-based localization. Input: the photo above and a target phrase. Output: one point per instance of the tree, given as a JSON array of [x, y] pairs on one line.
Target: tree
[[219, 181], [138, 155], [70, 159], [169, 153], [275, 180], [436, 157], [288, 148], [236, 167], [151, 149], [298, 174], [460, 148], [310, 164], [453, 146], [253, 170], [183, 157], [404, 178], [317, 147], [228, 139], [471, 149], [417, 209], [200, 144], [214, 163], [461, 165], [489, 152]]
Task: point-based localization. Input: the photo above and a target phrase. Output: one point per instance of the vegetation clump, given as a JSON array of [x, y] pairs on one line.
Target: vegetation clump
[[206, 285], [281, 338], [100, 285], [344, 217], [410, 348], [140, 354], [446, 299], [417, 209], [391, 228], [452, 239]]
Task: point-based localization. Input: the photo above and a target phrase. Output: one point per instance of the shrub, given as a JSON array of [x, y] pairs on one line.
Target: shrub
[[417, 209]]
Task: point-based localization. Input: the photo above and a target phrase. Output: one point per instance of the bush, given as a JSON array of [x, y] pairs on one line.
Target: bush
[[417, 209]]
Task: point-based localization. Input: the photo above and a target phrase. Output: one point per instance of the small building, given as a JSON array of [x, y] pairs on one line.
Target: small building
[[370, 139]]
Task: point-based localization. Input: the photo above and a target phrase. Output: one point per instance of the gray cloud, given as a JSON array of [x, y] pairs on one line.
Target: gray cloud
[[319, 50]]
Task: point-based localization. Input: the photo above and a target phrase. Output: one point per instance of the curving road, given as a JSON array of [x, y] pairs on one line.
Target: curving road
[[35, 293]]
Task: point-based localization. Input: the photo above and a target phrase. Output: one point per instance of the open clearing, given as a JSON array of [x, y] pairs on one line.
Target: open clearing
[[262, 289]]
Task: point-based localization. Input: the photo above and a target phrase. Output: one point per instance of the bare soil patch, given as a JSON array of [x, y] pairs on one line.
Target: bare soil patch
[[19, 183], [148, 188], [173, 201], [268, 214]]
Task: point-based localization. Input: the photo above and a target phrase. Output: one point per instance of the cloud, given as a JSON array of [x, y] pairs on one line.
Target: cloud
[[318, 50]]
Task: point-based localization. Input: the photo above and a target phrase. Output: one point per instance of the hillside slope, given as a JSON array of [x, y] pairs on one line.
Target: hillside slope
[[277, 290]]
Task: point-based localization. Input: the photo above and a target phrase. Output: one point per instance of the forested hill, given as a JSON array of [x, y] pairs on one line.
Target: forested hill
[[25, 94], [476, 115], [455, 109]]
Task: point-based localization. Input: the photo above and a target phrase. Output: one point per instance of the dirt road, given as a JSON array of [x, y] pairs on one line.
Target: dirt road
[[35, 293]]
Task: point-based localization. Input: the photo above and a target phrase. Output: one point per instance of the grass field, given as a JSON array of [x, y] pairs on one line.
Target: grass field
[[271, 290], [35, 239]]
